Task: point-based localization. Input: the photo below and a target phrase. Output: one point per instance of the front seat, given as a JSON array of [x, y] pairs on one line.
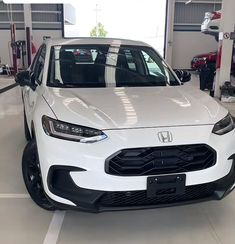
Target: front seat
[[67, 66], [100, 62], [122, 71]]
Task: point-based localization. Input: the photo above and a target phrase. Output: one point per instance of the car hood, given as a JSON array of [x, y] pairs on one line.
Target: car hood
[[134, 107]]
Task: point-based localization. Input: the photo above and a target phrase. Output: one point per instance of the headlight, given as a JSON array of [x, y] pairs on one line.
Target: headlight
[[224, 126], [63, 130]]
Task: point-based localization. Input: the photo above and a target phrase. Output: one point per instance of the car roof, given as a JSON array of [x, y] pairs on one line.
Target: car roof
[[93, 41]]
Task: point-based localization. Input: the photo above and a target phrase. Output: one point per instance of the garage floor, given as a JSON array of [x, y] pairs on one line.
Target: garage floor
[[23, 222]]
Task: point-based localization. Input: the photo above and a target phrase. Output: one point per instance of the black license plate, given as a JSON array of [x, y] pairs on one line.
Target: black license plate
[[169, 185]]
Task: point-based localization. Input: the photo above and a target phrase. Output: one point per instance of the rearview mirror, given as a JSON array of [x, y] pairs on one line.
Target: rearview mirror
[[184, 76], [26, 78]]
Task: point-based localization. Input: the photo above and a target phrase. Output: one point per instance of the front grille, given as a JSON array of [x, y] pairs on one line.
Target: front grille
[[160, 160], [139, 198]]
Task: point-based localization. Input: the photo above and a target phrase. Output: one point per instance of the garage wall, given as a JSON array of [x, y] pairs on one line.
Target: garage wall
[[187, 44], [20, 35], [188, 40]]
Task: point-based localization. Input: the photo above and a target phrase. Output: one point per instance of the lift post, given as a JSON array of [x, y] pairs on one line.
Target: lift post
[[28, 31], [225, 45], [14, 48]]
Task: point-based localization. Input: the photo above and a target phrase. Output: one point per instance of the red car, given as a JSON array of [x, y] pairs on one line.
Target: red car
[[199, 60], [82, 55]]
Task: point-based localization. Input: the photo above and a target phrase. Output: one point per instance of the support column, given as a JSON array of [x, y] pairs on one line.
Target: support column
[[28, 31], [169, 30], [13, 46], [227, 25]]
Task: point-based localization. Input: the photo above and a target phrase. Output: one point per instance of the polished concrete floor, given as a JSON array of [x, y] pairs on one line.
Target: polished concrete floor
[[5, 81], [22, 222]]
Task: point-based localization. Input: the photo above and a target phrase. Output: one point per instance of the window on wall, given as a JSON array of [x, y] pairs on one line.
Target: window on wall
[[130, 20]]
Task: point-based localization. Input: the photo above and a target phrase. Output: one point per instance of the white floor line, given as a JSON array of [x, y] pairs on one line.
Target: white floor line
[[54, 228], [12, 195]]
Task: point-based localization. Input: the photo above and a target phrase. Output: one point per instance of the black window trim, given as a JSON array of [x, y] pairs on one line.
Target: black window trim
[[35, 62]]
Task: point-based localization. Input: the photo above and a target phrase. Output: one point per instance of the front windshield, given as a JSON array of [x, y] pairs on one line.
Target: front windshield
[[107, 66]]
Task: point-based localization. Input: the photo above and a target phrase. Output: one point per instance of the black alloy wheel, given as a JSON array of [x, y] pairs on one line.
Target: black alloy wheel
[[32, 176]]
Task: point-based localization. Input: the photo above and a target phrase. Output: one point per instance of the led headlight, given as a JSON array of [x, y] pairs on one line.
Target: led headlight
[[67, 131], [224, 126]]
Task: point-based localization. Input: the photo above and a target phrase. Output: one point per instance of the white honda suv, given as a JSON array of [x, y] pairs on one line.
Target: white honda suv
[[111, 126]]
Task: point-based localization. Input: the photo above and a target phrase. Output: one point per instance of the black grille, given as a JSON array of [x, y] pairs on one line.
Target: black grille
[[139, 198], [160, 160]]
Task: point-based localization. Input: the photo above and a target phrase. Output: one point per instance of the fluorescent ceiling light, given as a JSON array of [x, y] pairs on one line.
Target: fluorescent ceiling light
[[188, 2]]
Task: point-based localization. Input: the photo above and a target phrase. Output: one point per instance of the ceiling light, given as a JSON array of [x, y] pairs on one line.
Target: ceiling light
[[188, 2]]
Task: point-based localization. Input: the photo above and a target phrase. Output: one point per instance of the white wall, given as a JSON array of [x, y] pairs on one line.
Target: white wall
[[188, 44], [5, 39]]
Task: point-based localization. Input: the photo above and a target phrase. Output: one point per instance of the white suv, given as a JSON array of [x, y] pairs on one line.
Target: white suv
[[119, 131]]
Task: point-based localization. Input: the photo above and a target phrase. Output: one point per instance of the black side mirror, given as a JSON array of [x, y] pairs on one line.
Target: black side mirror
[[26, 78], [184, 76]]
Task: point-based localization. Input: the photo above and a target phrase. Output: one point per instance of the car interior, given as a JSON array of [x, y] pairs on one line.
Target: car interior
[[128, 70]]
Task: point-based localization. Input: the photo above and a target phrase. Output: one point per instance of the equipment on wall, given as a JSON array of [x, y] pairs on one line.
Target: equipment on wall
[[20, 49]]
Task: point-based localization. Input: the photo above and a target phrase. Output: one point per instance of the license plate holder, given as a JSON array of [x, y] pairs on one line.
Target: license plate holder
[[169, 185]]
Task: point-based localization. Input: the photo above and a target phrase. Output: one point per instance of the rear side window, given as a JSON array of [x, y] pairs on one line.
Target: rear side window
[[152, 67]]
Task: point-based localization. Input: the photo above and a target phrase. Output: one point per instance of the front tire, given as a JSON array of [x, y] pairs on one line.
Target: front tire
[[32, 176]]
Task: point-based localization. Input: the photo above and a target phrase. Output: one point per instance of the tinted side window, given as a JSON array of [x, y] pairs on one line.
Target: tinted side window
[[39, 65], [153, 67]]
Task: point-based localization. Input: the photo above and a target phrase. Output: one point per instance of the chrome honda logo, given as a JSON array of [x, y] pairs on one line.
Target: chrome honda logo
[[165, 136]]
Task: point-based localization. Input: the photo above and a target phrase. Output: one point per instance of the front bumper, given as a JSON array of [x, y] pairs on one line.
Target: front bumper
[[91, 158], [100, 201]]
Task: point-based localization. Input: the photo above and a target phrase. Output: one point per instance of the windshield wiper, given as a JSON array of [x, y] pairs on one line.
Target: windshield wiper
[[56, 83]]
